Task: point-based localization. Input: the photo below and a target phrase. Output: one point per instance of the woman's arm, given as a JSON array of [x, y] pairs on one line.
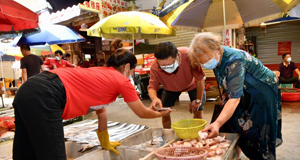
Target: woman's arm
[[143, 112], [224, 116], [227, 111], [102, 119]]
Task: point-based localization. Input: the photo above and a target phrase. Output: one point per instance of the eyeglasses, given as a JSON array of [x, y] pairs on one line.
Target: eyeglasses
[[168, 67]]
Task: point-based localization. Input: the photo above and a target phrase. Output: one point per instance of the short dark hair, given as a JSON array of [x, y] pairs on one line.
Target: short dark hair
[[25, 47], [67, 55], [59, 52], [164, 50], [120, 57], [284, 55]]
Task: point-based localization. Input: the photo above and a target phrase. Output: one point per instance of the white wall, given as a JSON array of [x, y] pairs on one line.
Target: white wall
[[8, 71], [149, 4]]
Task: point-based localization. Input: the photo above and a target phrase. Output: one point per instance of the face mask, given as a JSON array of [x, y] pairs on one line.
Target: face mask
[[57, 58], [289, 59], [211, 64], [131, 80], [129, 77], [125, 73], [170, 68]]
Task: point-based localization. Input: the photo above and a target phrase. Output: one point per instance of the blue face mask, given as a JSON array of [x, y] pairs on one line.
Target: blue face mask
[[211, 64]]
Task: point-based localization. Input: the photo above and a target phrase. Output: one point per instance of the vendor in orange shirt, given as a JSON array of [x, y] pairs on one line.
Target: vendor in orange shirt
[[173, 70], [58, 62]]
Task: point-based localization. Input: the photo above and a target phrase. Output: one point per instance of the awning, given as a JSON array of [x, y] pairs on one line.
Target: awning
[[58, 5], [69, 13]]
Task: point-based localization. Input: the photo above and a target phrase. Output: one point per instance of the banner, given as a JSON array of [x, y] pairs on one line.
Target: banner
[[284, 47], [227, 37]]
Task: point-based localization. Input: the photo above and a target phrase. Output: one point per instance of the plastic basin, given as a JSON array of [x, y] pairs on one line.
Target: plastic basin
[[188, 128]]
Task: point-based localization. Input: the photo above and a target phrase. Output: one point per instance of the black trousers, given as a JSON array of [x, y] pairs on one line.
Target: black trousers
[[169, 98], [38, 108], [290, 80]]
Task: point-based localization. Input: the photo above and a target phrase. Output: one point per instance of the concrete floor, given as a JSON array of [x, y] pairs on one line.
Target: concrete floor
[[290, 130], [290, 127]]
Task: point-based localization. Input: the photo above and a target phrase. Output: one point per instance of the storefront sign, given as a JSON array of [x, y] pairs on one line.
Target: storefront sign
[[92, 6], [110, 7], [227, 37], [284, 47]]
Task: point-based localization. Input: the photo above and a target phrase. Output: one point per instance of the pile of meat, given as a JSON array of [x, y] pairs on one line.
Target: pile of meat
[[215, 146]]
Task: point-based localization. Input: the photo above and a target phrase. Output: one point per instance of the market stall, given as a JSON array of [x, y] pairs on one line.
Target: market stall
[[143, 145]]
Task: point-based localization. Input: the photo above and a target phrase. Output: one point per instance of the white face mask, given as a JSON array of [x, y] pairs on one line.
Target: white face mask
[[130, 77], [57, 58], [289, 59], [170, 68], [211, 64]]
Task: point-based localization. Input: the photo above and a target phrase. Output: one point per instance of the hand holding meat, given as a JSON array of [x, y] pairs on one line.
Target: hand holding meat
[[212, 129]]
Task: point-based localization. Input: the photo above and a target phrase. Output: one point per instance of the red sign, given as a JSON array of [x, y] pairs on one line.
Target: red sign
[[92, 4], [98, 6], [87, 4], [284, 47]]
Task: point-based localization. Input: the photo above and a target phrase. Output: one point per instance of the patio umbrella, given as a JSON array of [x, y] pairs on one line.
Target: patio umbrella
[[130, 24], [37, 50], [209, 14], [15, 17], [293, 15], [46, 49], [52, 34]]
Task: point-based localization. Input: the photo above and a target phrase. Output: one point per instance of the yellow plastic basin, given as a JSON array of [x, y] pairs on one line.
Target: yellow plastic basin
[[188, 128]]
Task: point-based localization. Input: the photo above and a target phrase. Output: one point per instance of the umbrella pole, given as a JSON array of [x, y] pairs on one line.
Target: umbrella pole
[[50, 51], [133, 43], [224, 17], [3, 88]]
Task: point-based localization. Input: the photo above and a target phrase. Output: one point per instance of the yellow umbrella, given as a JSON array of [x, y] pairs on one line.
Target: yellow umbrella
[[55, 47], [132, 22], [126, 24], [170, 17]]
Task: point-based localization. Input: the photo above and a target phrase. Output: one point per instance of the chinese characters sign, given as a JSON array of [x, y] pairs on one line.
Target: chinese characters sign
[[284, 47], [227, 37], [107, 7]]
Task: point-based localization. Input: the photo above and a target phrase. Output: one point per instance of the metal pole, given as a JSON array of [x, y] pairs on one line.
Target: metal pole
[[50, 50], [3, 88], [133, 43], [224, 17]]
